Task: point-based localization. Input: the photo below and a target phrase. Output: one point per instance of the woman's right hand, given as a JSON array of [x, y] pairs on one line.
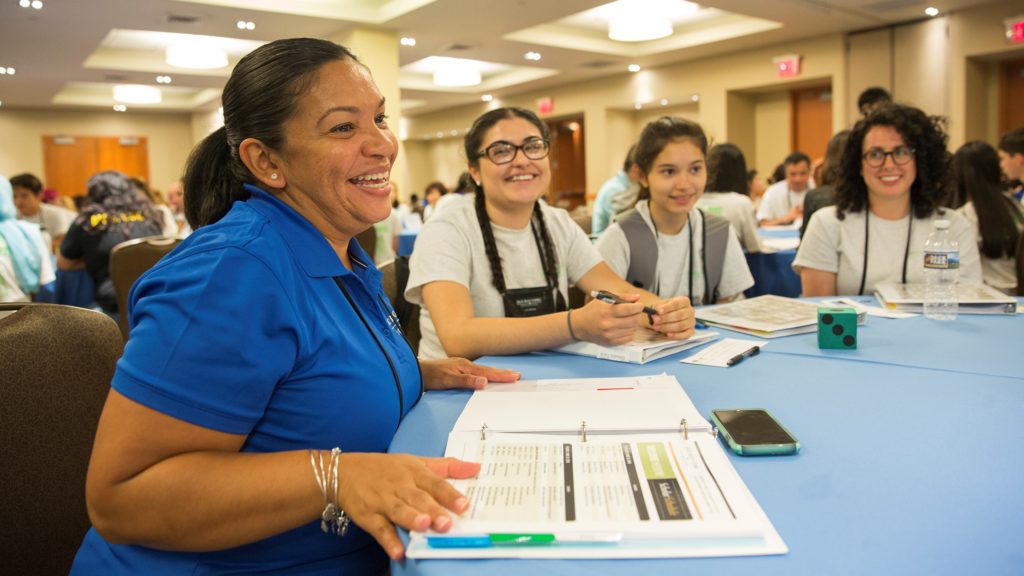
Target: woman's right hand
[[380, 491], [607, 324]]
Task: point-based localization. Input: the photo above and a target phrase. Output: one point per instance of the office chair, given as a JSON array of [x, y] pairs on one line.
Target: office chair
[[56, 364], [368, 240], [394, 277], [128, 260]]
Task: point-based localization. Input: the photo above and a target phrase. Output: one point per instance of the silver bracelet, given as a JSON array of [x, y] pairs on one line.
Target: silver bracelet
[[333, 519], [568, 322]]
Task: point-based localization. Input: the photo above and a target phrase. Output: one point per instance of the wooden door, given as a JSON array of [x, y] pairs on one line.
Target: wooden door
[[811, 117], [568, 165], [1011, 95], [69, 161]]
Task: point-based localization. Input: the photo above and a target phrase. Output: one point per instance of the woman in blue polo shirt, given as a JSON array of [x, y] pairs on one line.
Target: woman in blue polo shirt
[[264, 341]]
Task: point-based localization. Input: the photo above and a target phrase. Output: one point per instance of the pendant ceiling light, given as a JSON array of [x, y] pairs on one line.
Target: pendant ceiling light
[[638, 21], [137, 94], [456, 72], [196, 56]]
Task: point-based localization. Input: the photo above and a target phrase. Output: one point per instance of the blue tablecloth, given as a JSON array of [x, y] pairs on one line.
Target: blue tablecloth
[[406, 242], [773, 271], [908, 466]]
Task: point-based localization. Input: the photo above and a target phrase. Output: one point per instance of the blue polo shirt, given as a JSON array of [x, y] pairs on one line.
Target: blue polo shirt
[[253, 326]]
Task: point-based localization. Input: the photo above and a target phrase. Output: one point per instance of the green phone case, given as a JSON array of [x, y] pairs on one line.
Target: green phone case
[[754, 449]]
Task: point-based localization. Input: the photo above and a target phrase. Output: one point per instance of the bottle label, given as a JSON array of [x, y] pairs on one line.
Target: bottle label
[[942, 260]]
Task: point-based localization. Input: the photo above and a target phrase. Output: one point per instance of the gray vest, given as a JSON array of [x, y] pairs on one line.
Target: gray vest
[[643, 252]]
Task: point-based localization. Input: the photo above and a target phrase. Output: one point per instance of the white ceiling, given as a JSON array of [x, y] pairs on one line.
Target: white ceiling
[[70, 53]]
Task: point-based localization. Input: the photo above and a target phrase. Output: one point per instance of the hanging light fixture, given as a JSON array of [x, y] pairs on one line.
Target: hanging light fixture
[[638, 21], [196, 56], [456, 72], [137, 94]]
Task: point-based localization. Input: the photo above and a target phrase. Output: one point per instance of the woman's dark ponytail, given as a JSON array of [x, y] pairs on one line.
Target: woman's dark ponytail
[[211, 185]]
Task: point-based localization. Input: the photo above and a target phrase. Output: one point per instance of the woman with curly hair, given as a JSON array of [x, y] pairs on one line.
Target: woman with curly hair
[[891, 180], [114, 212]]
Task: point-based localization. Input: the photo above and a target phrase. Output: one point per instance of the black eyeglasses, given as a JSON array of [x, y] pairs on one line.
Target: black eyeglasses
[[502, 152], [901, 155]]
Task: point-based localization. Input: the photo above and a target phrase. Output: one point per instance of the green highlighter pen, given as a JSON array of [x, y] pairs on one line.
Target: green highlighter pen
[[522, 539]]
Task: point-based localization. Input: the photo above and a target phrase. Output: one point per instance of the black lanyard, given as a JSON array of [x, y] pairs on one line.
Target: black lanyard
[[906, 250], [560, 304], [689, 264]]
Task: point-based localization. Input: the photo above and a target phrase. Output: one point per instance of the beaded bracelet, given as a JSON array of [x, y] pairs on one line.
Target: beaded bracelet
[[333, 519]]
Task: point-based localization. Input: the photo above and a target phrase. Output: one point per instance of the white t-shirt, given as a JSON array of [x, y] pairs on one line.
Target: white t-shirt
[[834, 245], [387, 230], [999, 273], [779, 201], [53, 221], [10, 291], [674, 270], [451, 247], [738, 210]]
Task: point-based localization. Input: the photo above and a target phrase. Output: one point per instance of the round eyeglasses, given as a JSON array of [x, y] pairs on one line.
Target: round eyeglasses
[[502, 152], [901, 155]]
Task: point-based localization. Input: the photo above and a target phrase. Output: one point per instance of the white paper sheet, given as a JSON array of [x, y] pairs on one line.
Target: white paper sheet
[[721, 353]]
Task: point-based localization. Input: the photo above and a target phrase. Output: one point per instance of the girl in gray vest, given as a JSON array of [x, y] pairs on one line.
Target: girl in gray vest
[[665, 244]]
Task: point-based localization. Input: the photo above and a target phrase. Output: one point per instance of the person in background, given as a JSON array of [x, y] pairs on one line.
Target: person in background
[[387, 231], [997, 217], [25, 258], [1011, 161], [465, 187], [168, 224], [492, 275], [891, 178], [872, 98], [53, 220], [175, 195], [727, 193], [666, 244], [114, 212], [825, 194], [613, 187], [432, 195], [756, 187], [783, 201]]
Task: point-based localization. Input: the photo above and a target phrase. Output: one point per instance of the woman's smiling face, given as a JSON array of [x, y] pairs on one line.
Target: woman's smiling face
[[519, 182], [677, 178]]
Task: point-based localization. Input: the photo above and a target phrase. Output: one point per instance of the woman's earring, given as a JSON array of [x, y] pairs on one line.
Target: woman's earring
[[273, 176]]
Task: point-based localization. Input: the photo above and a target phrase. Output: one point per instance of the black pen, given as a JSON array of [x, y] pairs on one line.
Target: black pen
[[753, 351], [606, 296]]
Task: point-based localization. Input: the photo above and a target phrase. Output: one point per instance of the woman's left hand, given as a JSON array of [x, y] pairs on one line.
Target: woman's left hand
[[461, 373], [676, 318]]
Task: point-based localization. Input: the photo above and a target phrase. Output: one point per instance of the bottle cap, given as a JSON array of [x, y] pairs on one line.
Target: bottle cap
[[941, 224]]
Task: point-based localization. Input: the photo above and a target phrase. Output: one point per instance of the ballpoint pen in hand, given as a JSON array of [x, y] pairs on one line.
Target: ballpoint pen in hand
[[606, 296]]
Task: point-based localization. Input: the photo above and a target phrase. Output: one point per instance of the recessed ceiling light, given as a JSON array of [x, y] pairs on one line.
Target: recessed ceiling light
[[407, 41], [638, 106], [532, 56], [453, 132], [37, 4], [633, 68], [456, 72], [137, 94], [664, 102], [24, 3], [440, 134], [245, 25], [487, 97], [163, 79], [931, 11], [694, 98], [641, 20], [8, 70], [120, 108], [196, 56]]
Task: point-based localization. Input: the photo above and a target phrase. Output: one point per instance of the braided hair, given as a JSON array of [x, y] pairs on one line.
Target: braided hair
[[473, 142]]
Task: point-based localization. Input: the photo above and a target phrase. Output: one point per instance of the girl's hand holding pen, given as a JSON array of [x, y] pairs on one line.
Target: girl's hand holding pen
[[609, 323]]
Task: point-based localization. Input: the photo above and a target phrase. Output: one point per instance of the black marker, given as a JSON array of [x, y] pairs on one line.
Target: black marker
[[753, 351], [606, 296]]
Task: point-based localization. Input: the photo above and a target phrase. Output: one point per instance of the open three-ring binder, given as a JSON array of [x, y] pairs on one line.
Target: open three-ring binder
[[596, 468]]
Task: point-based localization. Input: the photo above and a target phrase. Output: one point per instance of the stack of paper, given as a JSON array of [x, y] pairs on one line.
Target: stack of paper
[[765, 316], [971, 298], [596, 468], [646, 346]]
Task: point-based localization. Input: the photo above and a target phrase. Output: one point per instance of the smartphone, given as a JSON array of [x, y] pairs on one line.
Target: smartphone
[[754, 432]]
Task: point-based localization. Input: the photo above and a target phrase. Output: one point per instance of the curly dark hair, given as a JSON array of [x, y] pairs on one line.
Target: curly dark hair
[[926, 135], [112, 194]]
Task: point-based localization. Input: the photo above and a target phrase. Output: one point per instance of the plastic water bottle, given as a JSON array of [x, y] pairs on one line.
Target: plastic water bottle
[[941, 267]]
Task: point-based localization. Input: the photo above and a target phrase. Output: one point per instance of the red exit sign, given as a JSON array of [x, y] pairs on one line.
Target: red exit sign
[[787, 66], [1015, 29]]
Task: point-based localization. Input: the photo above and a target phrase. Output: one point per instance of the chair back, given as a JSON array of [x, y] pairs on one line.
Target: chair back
[[128, 260], [56, 364], [394, 277], [1020, 264], [368, 240]]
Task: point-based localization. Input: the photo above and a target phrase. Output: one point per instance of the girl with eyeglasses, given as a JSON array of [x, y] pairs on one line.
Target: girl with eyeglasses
[[891, 180], [493, 274]]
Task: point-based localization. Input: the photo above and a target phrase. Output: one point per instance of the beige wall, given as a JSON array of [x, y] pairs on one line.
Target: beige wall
[[21, 148], [610, 131], [772, 128]]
